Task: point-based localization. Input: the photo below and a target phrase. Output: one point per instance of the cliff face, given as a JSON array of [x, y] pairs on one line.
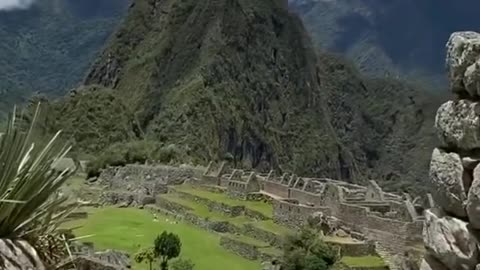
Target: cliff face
[[239, 78]]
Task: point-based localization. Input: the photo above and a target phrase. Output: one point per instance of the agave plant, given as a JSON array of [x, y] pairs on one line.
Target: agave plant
[[30, 204]]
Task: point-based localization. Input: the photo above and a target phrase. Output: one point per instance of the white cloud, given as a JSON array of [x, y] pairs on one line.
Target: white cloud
[[15, 4]]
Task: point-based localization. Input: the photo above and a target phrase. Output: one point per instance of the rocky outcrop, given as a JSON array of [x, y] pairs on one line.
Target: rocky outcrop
[[446, 174], [18, 255], [450, 231], [450, 240], [458, 124], [463, 49]]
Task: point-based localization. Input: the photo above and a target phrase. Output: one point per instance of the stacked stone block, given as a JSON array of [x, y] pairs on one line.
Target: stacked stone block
[[451, 228]]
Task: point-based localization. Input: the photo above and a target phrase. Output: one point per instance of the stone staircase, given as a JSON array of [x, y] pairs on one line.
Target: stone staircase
[[387, 257]]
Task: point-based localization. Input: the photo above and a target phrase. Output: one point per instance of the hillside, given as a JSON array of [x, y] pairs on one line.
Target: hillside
[[240, 78], [49, 46], [402, 38]]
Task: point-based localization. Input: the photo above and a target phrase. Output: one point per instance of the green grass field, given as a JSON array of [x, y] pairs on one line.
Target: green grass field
[[364, 261], [130, 229], [265, 208]]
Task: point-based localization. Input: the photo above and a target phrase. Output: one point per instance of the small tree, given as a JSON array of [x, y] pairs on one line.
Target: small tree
[[146, 255], [167, 246], [181, 264], [307, 251]]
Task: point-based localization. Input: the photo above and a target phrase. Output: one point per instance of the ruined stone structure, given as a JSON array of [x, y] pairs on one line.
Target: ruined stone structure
[[452, 227], [139, 184], [391, 220], [240, 184]]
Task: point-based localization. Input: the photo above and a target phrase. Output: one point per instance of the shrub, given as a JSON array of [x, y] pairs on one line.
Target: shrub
[[30, 206], [182, 264], [120, 154]]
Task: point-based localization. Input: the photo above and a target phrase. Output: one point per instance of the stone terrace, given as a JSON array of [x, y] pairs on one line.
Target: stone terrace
[[392, 221]]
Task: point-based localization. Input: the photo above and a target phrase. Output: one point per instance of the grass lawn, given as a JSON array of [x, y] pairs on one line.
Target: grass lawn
[[364, 261], [270, 226], [130, 229], [201, 210], [264, 208]]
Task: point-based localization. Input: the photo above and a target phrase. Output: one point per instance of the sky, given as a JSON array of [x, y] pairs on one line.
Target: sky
[[15, 4]]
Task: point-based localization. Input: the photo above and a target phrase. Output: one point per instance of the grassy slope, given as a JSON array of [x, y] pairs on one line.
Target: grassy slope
[[130, 229], [264, 208]]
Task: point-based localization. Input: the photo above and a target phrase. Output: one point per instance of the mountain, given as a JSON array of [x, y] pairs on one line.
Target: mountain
[[241, 78], [397, 38], [48, 47]]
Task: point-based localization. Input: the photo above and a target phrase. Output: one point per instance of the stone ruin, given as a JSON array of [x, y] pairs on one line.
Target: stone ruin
[[139, 184], [452, 227], [394, 222]]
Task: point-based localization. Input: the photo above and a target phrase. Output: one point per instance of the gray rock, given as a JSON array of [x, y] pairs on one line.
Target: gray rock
[[430, 263], [449, 241], [470, 162], [463, 49], [471, 79], [473, 201], [458, 124], [446, 176], [19, 255]]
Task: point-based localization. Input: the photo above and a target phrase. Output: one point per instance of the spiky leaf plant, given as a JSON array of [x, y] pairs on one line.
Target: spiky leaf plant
[[30, 205]]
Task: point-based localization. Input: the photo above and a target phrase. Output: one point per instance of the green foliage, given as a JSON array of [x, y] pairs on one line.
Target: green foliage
[[29, 203], [288, 110], [146, 255], [31, 206], [306, 251], [166, 247], [48, 47], [182, 264], [138, 151]]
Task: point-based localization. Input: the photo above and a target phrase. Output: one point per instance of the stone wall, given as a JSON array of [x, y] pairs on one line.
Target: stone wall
[[452, 228], [233, 211], [116, 177], [240, 248], [355, 249], [181, 212], [126, 199], [262, 235], [237, 189], [306, 197], [294, 215], [277, 189]]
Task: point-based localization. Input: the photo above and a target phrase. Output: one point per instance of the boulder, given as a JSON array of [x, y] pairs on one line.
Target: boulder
[[471, 79], [449, 241], [430, 263], [473, 201], [18, 255], [463, 49], [446, 176], [458, 124]]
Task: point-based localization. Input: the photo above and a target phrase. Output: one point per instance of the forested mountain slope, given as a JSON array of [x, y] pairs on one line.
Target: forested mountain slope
[[241, 78]]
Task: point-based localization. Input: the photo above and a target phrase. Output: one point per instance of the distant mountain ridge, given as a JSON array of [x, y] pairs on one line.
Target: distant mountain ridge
[[397, 38], [48, 47]]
